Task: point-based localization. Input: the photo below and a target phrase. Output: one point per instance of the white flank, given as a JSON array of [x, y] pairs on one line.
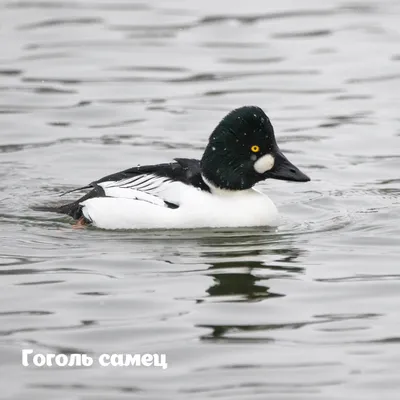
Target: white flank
[[132, 208]]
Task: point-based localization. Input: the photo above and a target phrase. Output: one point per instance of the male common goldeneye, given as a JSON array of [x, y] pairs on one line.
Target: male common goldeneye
[[216, 191]]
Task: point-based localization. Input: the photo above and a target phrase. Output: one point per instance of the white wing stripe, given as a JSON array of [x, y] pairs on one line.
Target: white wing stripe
[[127, 182], [154, 189], [135, 182], [134, 195]]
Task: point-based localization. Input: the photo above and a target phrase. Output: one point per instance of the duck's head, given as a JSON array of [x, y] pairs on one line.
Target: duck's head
[[242, 151]]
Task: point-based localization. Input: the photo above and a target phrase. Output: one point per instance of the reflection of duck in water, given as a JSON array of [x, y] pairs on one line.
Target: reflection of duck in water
[[216, 191], [243, 269], [242, 265]]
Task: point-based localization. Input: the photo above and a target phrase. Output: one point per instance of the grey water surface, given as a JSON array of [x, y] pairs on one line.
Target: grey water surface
[[307, 311]]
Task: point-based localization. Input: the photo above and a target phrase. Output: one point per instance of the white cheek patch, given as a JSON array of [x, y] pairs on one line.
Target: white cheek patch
[[264, 163]]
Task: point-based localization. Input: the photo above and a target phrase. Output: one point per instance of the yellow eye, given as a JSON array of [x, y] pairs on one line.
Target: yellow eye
[[255, 149]]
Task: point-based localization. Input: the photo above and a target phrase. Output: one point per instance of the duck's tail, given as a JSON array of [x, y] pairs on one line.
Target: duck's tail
[[73, 209]]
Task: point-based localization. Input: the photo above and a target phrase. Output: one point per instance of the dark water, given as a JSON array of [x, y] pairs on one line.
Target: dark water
[[310, 311]]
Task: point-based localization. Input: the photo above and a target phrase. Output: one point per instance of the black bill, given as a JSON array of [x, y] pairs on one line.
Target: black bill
[[284, 170]]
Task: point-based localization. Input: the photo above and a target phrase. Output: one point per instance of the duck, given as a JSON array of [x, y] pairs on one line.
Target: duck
[[216, 191]]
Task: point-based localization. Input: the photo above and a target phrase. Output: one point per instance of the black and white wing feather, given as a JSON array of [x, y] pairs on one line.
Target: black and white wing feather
[[147, 187], [159, 184]]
